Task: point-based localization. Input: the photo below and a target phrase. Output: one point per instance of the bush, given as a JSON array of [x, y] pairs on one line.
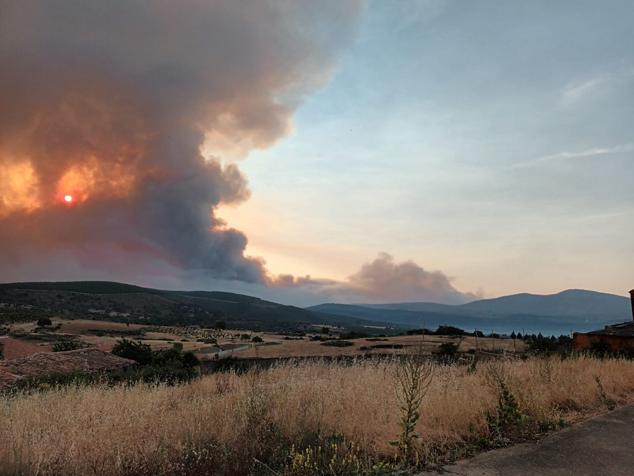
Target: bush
[[65, 345], [449, 331], [256, 339], [354, 335], [419, 332], [508, 423], [448, 349], [338, 343], [413, 376], [134, 350], [44, 322]]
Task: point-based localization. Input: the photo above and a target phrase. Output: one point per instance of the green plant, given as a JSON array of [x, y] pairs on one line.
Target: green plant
[[333, 456], [65, 345], [448, 349], [44, 322], [507, 423], [338, 343], [134, 350], [413, 375], [256, 339], [607, 401]]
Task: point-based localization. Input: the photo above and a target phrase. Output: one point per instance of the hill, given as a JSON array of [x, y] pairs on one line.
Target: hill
[[127, 303], [570, 310]]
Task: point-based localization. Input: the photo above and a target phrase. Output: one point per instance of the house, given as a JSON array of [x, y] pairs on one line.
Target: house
[[42, 364], [617, 337]]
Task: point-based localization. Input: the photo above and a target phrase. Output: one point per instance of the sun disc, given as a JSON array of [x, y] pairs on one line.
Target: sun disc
[[68, 198]]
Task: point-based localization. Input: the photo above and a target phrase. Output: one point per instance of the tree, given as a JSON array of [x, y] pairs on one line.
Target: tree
[[134, 350], [449, 331], [44, 322]]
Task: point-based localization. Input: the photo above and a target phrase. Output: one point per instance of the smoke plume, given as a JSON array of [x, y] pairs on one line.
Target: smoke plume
[[116, 116], [379, 281]]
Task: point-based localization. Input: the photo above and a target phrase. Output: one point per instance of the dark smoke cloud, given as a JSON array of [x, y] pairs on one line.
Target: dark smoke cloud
[[116, 102]]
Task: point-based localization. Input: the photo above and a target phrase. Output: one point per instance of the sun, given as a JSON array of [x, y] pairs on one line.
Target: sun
[[68, 198]]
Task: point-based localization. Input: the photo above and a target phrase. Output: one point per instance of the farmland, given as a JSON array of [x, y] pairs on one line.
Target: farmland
[[209, 343]]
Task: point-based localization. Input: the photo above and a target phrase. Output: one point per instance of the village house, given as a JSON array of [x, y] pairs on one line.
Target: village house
[[616, 337]]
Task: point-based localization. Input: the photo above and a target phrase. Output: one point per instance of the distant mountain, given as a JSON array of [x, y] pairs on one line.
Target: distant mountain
[[576, 310], [570, 303], [124, 302]]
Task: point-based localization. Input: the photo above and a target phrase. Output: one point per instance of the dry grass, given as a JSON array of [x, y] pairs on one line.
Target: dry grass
[[222, 423], [429, 344]]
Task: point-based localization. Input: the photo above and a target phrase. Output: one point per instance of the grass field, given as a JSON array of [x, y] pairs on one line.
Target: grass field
[[293, 419], [428, 343], [104, 334]]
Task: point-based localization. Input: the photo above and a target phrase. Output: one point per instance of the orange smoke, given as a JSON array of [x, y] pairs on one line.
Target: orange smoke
[[90, 179], [19, 188]]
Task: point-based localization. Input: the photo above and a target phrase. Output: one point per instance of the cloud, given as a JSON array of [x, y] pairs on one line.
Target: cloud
[[575, 91], [594, 152], [115, 103], [383, 280]]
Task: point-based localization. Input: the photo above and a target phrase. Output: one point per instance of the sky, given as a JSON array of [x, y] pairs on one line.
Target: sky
[[420, 150]]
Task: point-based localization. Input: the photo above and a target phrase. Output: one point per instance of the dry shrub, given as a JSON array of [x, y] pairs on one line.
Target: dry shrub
[[241, 424]]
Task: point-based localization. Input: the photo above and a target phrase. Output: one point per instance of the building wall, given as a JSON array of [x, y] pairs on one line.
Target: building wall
[[585, 341]]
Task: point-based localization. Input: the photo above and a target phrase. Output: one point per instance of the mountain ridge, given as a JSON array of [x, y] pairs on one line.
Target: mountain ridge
[[109, 300], [571, 309]]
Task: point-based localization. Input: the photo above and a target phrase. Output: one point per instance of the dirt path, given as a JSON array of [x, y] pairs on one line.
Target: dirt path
[[601, 446]]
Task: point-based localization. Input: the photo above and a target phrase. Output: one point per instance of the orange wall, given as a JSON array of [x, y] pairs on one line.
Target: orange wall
[[585, 341]]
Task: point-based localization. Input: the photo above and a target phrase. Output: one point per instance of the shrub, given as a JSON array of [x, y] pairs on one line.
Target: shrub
[[448, 349], [44, 322], [449, 331], [134, 350], [338, 343], [507, 423], [256, 339], [353, 335], [413, 376], [65, 345]]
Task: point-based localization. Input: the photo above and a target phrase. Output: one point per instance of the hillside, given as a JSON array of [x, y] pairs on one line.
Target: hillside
[[127, 303], [571, 310], [576, 303]]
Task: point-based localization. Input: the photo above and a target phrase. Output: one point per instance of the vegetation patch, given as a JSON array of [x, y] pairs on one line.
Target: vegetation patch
[[338, 343]]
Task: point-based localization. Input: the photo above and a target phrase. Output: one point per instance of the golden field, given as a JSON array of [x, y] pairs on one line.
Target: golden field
[[104, 335], [269, 421]]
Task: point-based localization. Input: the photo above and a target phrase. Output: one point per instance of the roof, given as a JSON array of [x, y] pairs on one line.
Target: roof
[[625, 329], [15, 348], [49, 363]]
